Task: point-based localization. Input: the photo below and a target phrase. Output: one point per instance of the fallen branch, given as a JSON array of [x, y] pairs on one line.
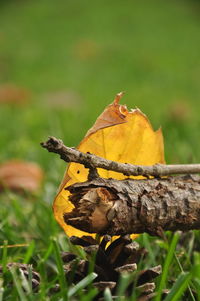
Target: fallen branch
[[108, 206], [92, 161]]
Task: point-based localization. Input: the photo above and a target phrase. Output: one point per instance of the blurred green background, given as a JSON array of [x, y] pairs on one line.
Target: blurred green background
[[72, 57], [61, 63]]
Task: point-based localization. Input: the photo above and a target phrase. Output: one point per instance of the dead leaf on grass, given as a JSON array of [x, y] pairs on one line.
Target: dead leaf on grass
[[20, 175], [13, 94], [180, 111], [85, 49], [62, 99]]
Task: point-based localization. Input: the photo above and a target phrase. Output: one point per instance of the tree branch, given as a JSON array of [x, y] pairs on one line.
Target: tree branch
[[108, 206], [92, 162]]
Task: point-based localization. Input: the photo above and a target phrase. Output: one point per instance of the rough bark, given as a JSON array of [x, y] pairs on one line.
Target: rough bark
[[108, 206]]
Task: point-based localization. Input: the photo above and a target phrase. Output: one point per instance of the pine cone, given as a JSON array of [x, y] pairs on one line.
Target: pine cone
[[120, 256], [24, 269]]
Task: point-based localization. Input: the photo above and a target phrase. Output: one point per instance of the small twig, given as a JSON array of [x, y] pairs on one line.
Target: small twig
[[92, 162]]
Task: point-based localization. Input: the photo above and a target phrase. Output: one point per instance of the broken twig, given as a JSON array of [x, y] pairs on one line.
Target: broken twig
[[113, 207], [119, 207], [92, 161]]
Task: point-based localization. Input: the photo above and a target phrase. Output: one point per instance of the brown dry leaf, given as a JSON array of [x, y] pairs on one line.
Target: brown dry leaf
[[62, 99], [180, 111], [119, 135], [10, 93], [86, 49], [20, 175]]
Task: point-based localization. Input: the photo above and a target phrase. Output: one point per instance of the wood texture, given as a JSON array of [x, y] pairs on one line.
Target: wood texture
[[113, 207], [92, 162]]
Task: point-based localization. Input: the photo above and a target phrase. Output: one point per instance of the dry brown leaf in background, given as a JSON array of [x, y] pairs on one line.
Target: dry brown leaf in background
[[20, 175], [11, 93], [180, 111], [86, 49], [62, 99], [119, 135]]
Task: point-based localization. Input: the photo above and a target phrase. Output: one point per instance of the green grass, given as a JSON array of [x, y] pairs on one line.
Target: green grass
[[91, 50]]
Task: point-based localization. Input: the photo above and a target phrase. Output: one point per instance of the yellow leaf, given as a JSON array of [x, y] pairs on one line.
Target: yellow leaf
[[119, 135]]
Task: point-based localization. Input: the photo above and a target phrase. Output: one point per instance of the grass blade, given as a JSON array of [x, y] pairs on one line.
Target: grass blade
[[147, 245], [4, 256], [81, 284], [107, 295], [62, 279], [92, 292], [167, 263], [123, 284], [26, 284], [17, 283], [46, 254], [181, 268], [29, 252], [1, 293], [179, 287]]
